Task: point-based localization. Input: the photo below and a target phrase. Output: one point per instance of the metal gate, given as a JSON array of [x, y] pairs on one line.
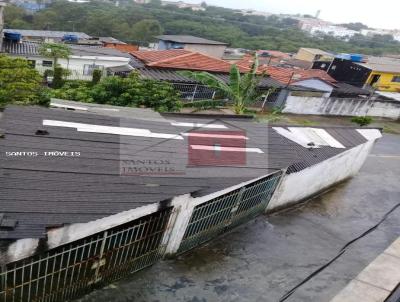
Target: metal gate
[[227, 211], [74, 269]]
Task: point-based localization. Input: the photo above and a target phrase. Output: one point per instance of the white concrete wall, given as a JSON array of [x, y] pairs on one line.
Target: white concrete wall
[[299, 186], [216, 51], [76, 64], [342, 106], [183, 208]]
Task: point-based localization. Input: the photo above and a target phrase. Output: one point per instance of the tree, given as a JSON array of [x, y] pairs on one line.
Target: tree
[[57, 78], [145, 30], [19, 82], [96, 76], [14, 17], [131, 91], [357, 26], [55, 51], [241, 89]]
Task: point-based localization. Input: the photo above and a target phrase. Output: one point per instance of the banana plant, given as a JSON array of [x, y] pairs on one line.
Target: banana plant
[[241, 88]]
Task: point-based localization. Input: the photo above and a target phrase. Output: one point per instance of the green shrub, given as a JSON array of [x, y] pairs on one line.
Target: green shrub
[[58, 78], [96, 76], [362, 120], [48, 73], [131, 91], [19, 82]]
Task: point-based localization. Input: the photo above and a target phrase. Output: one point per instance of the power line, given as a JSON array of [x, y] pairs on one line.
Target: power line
[[339, 254]]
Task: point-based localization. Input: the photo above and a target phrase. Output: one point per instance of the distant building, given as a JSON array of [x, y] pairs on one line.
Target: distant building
[[181, 4], [332, 30], [209, 47], [31, 6], [79, 1], [312, 54], [307, 24], [252, 12]]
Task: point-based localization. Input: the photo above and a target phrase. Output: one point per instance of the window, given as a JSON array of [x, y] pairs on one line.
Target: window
[[396, 79], [47, 63], [333, 67], [88, 68]]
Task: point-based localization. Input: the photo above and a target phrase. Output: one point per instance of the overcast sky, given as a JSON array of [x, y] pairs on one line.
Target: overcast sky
[[378, 14]]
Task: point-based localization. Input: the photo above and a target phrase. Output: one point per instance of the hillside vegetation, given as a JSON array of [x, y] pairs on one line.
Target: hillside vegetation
[[140, 23]]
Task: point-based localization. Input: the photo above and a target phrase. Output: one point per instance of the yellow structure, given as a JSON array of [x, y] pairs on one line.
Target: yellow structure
[[385, 81], [385, 74], [313, 54]]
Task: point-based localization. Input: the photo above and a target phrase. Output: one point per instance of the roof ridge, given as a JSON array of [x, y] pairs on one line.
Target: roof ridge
[[173, 58]]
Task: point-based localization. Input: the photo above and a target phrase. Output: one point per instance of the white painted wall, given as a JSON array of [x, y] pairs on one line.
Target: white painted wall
[[216, 51], [299, 186], [342, 106], [20, 249], [183, 208], [76, 64]]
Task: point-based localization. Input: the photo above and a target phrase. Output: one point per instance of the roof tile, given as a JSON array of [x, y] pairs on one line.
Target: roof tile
[[184, 59]]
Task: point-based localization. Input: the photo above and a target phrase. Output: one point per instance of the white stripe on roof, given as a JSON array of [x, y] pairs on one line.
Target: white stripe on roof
[[199, 125], [212, 135], [226, 149], [309, 137], [81, 127]]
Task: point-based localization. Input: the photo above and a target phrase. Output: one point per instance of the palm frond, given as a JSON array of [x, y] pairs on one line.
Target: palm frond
[[235, 80], [209, 80]]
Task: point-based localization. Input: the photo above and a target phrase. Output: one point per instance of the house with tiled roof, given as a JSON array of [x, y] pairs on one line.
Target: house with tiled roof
[[166, 65], [184, 59]]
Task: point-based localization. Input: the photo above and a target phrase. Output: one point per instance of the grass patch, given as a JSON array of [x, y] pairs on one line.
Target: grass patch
[[390, 130]]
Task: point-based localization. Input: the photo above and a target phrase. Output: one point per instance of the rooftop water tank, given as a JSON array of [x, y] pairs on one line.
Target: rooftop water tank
[[70, 38], [354, 57], [344, 56], [12, 36]]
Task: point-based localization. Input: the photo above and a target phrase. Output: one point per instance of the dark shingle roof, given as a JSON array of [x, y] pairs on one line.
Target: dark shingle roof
[[41, 191], [186, 39], [344, 88], [24, 48], [27, 48]]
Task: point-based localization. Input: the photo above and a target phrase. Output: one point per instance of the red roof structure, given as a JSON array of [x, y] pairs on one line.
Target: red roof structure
[[150, 56], [184, 59], [290, 75]]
